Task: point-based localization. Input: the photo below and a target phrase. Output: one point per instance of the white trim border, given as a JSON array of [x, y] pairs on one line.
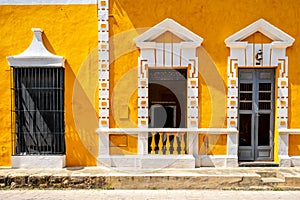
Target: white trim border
[[46, 2]]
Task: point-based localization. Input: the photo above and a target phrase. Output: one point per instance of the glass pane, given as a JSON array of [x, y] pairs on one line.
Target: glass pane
[[245, 96], [264, 105], [246, 87], [265, 75], [264, 86], [264, 96], [264, 130], [246, 75], [245, 130], [245, 105]]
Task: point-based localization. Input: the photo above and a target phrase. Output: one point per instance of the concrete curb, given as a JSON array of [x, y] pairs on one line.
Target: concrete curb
[[104, 178]]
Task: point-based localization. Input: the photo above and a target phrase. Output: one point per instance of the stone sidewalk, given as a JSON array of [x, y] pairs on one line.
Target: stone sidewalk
[[147, 194], [242, 178]]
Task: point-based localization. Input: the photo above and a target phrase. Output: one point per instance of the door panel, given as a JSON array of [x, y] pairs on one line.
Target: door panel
[[256, 114]]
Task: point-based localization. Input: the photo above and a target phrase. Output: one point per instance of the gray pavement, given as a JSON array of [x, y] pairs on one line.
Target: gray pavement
[[243, 178], [146, 194]]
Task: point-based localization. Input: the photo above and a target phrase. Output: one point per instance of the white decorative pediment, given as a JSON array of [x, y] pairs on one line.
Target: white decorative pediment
[[168, 45], [168, 25], [258, 54], [280, 38], [36, 55]]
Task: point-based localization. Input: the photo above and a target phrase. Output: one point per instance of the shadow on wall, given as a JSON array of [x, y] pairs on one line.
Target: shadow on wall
[[82, 122]]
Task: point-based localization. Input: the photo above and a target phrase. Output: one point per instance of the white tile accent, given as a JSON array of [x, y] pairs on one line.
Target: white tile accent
[[232, 112], [142, 92], [104, 94], [232, 92], [193, 112], [104, 74], [192, 92], [103, 36], [104, 55], [143, 112], [104, 113], [103, 15], [283, 92], [283, 112]]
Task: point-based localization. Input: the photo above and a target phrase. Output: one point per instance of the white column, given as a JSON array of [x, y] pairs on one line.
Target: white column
[[142, 143], [103, 144], [283, 150], [232, 150], [193, 143]]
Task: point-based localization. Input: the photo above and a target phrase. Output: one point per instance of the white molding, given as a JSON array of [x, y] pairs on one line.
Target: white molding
[[293, 131], [146, 130], [280, 38], [179, 54], [218, 161], [39, 161], [190, 38], [36, 55], [146, 161], [46, 2]]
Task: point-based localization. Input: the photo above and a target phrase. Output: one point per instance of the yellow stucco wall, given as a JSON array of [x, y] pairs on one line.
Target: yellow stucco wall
[[294, 145], [212, 144], [69, 31], [213, 20]]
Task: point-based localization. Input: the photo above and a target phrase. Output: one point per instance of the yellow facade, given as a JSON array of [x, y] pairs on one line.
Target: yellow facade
[[72, 31], [69, 31], [214, 21]]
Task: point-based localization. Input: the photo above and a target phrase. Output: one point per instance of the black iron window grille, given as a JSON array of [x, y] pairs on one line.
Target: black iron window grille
[[38, 111]]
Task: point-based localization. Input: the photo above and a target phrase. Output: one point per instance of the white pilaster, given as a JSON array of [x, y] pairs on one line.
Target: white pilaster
[[103, 63]]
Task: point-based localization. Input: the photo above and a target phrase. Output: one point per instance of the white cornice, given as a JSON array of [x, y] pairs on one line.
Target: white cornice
[[189, 38], [46, 2], [280, 38], [36, 55]]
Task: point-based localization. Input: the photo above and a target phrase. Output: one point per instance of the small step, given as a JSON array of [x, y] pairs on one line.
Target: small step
[[258, 164], [272, 180]]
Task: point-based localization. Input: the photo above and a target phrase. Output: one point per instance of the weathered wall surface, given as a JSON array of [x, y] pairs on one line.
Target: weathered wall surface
[[69, 31]]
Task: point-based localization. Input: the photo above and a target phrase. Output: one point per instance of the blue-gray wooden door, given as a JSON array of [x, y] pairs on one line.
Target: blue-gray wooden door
[[256, 114]]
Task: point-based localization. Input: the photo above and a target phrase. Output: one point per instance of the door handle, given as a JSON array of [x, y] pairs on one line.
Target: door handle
[[257, 114]]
